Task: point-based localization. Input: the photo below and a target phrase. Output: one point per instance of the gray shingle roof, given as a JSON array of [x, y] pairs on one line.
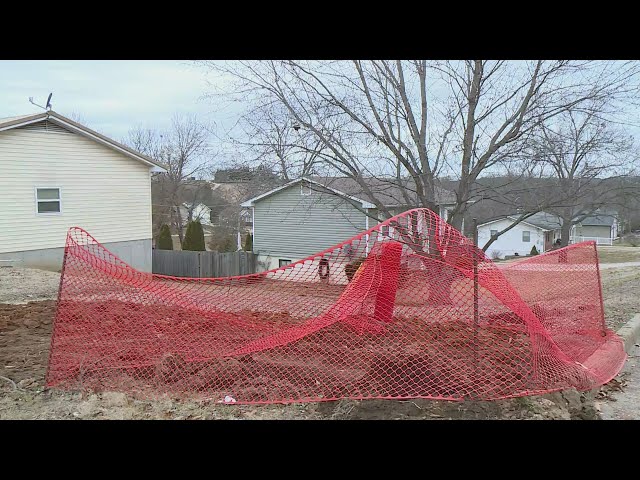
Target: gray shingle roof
[[550, 221], [547, 221], [9, 120], [543, 220], [599, 219], [387, 191]]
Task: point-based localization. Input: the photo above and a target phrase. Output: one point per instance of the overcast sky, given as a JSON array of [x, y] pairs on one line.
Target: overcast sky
[[114, 96], [111, 96]]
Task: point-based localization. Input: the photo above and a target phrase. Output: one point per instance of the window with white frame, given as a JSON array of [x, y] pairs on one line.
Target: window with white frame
[[526, 236], [48, 200], [283, 262]]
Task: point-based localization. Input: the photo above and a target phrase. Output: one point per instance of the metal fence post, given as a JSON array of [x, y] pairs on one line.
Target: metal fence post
[[476, 315]]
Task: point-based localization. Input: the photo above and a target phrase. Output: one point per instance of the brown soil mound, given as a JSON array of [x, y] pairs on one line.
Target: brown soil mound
[[25, 333]]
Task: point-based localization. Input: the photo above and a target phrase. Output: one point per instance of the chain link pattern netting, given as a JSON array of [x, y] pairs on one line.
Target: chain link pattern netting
[[408, 309]]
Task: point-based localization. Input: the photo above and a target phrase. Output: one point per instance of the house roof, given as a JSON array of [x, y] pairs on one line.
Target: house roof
[[542, 220], [9, 120], [599, 219], [251, 202], [20, 121], [389, 191]]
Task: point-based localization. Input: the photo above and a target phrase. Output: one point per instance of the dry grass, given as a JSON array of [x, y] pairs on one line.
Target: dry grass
[[618, 254], [620, 291]]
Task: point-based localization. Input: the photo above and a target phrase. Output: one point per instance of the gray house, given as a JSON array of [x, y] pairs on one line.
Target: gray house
[[602, 226], [311, 214]]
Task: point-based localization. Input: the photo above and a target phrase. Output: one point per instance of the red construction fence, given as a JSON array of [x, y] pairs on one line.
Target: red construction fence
[[408, 309]]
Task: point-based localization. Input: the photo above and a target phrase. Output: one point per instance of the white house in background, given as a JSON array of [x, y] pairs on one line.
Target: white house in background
[[56, 174], [541, 229], [200, 212], [210, 218]]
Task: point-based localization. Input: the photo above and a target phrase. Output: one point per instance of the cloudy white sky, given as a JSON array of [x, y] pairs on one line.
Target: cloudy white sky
[[111, 96]]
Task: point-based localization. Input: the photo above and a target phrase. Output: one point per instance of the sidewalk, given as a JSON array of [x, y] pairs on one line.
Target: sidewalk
[[619, 265], [620, 398], [624, 404]]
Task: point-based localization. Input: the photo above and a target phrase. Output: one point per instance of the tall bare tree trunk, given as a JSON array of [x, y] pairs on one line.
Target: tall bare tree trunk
[[566, 229]]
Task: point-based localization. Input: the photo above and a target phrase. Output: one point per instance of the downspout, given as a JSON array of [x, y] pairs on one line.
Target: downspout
[[366, 227], [253, 227]]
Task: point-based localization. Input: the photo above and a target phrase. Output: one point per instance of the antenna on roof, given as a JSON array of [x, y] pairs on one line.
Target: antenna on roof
[[48, 105]]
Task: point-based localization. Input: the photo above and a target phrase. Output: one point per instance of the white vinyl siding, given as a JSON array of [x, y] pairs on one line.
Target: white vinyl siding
[[603, 231], [101, 190], [510, 243]]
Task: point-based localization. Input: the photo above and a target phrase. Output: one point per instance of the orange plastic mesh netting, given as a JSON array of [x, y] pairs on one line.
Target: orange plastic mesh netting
[[408, 309]]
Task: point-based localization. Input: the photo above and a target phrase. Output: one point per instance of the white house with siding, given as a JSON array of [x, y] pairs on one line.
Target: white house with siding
[[200, 212], [541, 230], [55, 174]]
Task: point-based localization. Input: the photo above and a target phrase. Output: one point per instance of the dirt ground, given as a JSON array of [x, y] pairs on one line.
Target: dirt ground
[[25, 332]]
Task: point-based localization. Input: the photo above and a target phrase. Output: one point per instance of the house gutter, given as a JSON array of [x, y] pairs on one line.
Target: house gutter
[[366, 227]]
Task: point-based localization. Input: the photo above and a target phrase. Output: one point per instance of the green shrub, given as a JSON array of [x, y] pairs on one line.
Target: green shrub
[[164, 241], [194, 238], [248, 243], [534, 251]]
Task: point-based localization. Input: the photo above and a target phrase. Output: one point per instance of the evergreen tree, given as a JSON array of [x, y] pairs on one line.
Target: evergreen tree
[[194, 238], [248, 243], [534, 251], [164, 241]]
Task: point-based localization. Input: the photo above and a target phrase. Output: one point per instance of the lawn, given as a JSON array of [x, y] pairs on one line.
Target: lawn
[[618, 254]]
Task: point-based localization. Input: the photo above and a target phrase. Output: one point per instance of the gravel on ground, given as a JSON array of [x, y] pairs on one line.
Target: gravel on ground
[[22, 285]]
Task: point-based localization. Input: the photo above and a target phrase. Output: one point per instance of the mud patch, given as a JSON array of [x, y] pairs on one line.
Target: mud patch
[[25, 333]]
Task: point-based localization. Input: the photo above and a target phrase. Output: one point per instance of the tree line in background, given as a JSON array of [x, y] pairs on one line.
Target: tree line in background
[[185, 151], [191, 162], [527, 136], [531, 135]]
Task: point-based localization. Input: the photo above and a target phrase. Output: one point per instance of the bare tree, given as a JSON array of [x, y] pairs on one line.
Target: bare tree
[[185, 151], [580, 150], [271, 139], [408, 122], [79, 118]]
